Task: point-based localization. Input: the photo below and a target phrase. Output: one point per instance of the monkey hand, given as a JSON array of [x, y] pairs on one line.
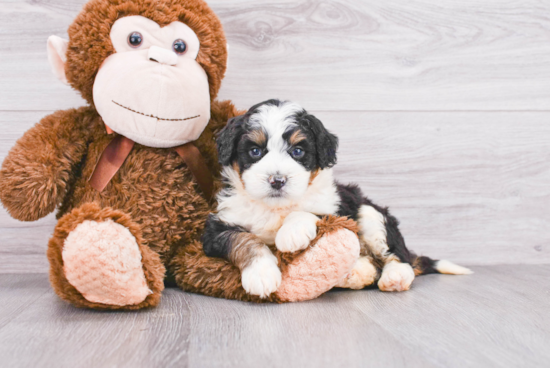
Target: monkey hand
[[36, 171]]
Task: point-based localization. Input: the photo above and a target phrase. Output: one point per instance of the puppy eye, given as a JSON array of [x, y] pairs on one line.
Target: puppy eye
[[179, 46], [135, 39], [255, 152], [298, 153]]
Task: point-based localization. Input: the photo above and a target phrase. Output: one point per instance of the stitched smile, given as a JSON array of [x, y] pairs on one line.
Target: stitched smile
[[152, 116]]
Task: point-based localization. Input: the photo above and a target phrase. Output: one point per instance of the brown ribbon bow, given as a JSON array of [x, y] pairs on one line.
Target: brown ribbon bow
[[119, 149]]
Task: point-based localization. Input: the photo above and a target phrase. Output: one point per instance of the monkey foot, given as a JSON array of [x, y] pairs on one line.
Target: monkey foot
[[303, 279], [102, 260]]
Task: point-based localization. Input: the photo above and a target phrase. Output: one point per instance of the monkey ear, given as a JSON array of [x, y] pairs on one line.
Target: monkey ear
[[228, 138], [57, 51], [326, 143]]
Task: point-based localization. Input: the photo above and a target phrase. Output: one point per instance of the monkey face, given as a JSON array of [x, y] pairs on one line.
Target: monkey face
[[152, 90]]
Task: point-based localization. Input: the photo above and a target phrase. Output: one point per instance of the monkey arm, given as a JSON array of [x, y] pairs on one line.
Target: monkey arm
[[36, 171]]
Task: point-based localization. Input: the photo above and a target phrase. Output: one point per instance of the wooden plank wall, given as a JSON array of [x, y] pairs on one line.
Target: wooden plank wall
[[442, 108]]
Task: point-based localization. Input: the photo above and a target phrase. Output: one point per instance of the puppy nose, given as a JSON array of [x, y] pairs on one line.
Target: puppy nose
[[162, 56], [277, 181]]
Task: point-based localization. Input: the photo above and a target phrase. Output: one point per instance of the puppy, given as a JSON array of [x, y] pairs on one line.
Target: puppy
[[277, 166]]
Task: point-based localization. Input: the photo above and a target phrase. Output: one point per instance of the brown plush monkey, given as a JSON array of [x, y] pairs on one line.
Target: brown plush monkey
[[131, 188]]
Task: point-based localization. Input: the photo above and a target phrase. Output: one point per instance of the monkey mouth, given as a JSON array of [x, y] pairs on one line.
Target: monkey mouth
[[152, 116]]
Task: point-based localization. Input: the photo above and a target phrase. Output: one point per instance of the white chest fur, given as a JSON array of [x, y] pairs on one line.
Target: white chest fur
[[236, 207]]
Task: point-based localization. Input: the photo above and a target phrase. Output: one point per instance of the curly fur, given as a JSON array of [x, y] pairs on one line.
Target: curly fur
[[153, 194], [196, 272], [38, 170], [90, 43]]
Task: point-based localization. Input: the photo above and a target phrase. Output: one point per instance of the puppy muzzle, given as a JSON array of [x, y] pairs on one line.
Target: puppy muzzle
[[277, 181]]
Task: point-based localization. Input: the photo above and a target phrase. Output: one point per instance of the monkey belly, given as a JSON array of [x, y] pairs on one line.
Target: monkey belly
[[157, 190]]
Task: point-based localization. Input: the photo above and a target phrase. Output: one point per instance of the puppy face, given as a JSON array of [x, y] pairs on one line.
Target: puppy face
[[276, 148]]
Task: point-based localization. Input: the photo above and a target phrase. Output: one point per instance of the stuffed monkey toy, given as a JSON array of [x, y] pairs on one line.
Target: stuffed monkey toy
[[133, 173]]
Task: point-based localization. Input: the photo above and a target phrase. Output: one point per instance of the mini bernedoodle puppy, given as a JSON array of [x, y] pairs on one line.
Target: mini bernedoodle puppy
[[277, 166]]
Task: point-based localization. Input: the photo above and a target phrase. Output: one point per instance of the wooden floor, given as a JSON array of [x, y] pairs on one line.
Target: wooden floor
[[497, 317]]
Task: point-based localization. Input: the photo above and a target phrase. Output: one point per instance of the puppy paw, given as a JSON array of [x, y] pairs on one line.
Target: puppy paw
[[396, 276], [362, 274], [298, 230], [262, 277]]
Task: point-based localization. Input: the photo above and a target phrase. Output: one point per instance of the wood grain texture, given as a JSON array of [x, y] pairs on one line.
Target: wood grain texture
[[18, 292], [496, 317], [390, 55], [472, 187], [330, 55], [318, 333], [467, 186], [49, 332]]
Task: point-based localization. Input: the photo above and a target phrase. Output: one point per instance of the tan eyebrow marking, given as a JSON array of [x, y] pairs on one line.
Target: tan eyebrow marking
[[152, 116], [296, 137], [257, 136]]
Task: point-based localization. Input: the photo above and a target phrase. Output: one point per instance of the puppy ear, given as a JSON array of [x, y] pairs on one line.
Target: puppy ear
[[228, 138], [326, 143]]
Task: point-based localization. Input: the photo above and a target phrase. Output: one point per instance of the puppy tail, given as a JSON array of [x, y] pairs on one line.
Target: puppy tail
[[425, 265]]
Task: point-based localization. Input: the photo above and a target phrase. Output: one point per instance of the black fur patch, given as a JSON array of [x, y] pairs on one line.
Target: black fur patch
[[216, 240], [228, 138], [243, 157], [394, 239], [325, 143], [309, 160], [351, 199], [320, 146], [233, 146], [425, 264]]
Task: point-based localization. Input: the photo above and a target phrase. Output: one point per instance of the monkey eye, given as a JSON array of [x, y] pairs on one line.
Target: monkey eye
[[179, 46], [135, 39]]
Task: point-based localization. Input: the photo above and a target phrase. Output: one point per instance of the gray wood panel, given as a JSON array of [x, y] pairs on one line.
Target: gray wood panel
[[49, 332], [18, 292], [330, 55], [472, 187], [319, 333], [488, 320], [469, 186], [496, 317]]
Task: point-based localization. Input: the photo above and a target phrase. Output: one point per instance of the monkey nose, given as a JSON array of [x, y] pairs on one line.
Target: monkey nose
[[162, 56], [277, 181]]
